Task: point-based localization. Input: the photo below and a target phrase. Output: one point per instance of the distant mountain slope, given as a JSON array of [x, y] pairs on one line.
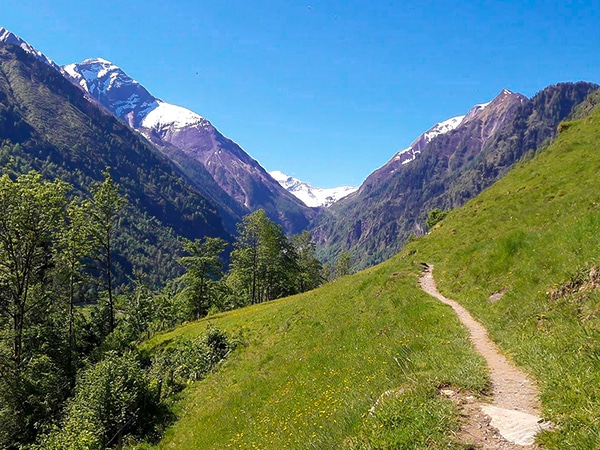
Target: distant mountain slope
[[9, 37], [47, 124], [202, 150], [310, 195], [452, 167]]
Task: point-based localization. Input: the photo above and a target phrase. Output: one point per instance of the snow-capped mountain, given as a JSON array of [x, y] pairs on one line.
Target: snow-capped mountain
[[11, 38], [113, 88], [190, 138], [455, 160], [310, 195], [410, 153]]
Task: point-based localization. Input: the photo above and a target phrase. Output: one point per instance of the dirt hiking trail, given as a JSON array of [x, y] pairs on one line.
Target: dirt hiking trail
[[512, 420]]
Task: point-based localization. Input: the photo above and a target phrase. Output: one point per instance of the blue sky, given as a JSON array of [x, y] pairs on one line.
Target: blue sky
[[325, 90]]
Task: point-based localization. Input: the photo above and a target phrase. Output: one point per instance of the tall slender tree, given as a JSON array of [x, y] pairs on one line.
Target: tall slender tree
[[31, 213], [75, 241], [310, 268], [342, 265], [264, 263], [106, 205]]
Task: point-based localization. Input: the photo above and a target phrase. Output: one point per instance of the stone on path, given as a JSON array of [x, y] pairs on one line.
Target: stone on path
[[515, 426]]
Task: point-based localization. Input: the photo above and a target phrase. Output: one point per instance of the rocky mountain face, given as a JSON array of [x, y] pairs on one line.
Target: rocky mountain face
[[228, 174], [113, 88], [464, 156], [310, 195]]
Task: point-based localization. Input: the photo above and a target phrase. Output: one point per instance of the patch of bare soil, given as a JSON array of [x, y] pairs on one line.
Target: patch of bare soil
[[511, 420]]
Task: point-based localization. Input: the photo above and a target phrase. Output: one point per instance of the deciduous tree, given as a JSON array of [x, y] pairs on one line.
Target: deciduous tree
[[204, 270], [106, 204]]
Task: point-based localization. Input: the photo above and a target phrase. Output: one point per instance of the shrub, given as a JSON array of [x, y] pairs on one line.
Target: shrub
[[190, 360], [435, 216]]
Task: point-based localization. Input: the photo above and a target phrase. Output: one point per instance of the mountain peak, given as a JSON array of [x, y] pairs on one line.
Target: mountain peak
[[409, 154], [500, 98], [99, 61], [90, 70], [8, 37], [113, 88]]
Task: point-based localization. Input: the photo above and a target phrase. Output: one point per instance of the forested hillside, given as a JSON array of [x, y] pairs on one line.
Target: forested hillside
[[48, 125]]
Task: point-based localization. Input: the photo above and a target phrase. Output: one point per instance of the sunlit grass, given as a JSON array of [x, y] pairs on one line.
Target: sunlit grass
[[312, 366]]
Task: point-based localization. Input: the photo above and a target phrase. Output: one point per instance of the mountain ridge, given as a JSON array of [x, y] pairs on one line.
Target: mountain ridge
[[49, 125], [393, 202]]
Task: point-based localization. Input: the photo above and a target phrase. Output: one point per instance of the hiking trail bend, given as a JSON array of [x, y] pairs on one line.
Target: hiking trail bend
[[514, 411]]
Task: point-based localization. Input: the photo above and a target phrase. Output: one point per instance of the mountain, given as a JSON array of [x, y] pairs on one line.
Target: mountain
[[310, 195], [443, 168], [409, 154], [228, 175], [48, 124]]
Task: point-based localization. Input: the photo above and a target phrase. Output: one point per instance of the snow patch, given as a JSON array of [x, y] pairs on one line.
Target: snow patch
[[173, 116], [409, 154], [11, 38], [443, 127]]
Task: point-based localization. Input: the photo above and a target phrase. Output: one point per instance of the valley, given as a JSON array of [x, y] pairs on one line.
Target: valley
[[160, 289]]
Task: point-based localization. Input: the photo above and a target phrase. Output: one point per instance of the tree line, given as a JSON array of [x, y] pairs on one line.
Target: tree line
[[265, 265]]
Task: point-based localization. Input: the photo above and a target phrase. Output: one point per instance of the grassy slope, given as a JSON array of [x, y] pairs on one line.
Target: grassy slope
[[314, 364], [534, 231]]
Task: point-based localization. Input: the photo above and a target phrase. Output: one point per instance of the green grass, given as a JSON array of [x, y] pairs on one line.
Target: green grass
[[312, 366]]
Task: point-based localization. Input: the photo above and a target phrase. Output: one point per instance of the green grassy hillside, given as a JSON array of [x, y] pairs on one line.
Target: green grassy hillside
[[313, 365]]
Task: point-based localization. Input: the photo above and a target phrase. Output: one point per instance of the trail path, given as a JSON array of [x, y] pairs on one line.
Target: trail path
[[512, 420]]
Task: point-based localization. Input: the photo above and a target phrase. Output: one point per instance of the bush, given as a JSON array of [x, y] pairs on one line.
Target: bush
[[563, 126], [112, 399], [435, 216], [190, 360]]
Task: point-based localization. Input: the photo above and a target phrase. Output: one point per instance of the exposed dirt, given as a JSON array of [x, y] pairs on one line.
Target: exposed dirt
[[511, 420]]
